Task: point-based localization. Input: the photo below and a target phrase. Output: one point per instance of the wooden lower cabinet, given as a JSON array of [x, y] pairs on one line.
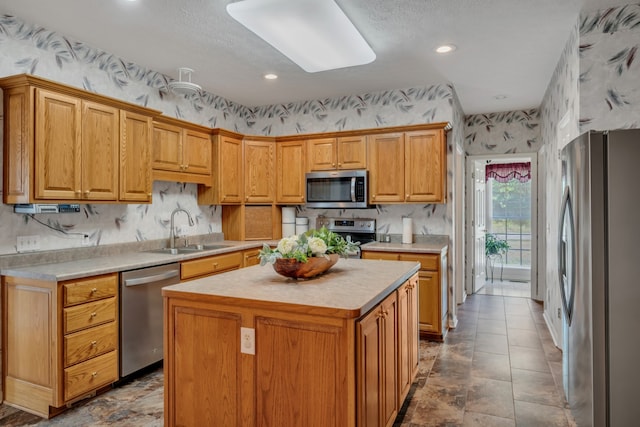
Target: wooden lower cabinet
[[433, 305], [250, 257], [60, 340], [378, 366], [306, 369], [207, 266]]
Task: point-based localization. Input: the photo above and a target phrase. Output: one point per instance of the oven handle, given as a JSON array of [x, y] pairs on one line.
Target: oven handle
[[353, 189], [150, 279]]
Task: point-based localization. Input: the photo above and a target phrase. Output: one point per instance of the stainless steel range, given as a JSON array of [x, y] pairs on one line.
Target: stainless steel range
[[361, 230]]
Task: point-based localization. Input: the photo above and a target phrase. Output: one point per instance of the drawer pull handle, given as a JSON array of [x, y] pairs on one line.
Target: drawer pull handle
[[94, 314], [94, 343], [94, 374]]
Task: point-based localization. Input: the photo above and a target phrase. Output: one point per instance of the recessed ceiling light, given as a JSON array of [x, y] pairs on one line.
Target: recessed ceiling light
[[445, 48], [270, 76]]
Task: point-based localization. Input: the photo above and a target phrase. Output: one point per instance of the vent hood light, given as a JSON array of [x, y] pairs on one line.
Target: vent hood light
[[315, 34]]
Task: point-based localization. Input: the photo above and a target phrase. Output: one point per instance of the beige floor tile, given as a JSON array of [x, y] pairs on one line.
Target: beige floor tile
[[490, 365], [473, 419], [491, 397], [536, 387], [535, 415]]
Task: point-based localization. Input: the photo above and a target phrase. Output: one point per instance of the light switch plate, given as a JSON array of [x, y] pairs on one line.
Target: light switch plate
[[248, 340]]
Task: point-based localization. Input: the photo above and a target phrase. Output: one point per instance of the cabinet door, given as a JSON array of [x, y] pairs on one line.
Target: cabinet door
[[322, 154], [259, 171], [230, 170], [135, 157], [100, 148], [369, 369], [352, 152], [57, 146], [389, 387], [290, 169], [429, 301], [386, 168], [167, 147], [425, 166], [407, 337], [196, 153]]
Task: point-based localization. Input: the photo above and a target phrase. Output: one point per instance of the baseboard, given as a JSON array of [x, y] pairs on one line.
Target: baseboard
[[551, 330]]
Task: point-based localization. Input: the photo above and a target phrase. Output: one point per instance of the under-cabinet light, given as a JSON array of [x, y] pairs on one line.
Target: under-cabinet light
[[315, 34]]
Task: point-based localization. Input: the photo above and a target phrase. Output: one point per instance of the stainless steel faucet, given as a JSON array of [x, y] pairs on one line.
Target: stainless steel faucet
[[172, 235]]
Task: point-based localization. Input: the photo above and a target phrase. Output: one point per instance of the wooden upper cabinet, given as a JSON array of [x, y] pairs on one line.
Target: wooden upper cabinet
[[259, 173], [386, 168], [290, 169], [196, 153], [65, 144], [135, 157], [425, 166], [407, 167], [337, 153], [227, 178], [100, 149], [181, 151], [57, 146]]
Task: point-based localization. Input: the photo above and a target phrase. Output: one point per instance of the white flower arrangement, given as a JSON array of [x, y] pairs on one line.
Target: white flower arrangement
[[313, 243]]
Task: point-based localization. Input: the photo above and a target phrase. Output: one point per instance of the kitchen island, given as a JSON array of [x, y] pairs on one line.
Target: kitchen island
[[252, 348]]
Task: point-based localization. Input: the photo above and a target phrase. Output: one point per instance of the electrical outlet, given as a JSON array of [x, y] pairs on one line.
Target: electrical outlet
[[85, 240], [559, 313], [28, 243], [248, 340]]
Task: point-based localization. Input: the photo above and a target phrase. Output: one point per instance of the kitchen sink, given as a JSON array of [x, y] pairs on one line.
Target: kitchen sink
[[187, 249]]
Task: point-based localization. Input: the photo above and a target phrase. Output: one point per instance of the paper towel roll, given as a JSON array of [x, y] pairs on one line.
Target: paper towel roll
[[407, 230], [288, 230], [301, 228], [288, 215]]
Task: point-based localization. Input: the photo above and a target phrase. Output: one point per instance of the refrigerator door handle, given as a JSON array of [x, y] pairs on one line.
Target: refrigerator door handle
[[566, 255]]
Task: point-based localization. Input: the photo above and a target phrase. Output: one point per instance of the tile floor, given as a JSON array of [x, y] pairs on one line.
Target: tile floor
[[506, 288], [499, 367]]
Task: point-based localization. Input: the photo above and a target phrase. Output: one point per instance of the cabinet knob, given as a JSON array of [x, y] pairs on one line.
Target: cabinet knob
[[78, 192], [94, 343], [86, 193], [373, 196], [406, 196], [94, 290], [186, 166], [149, 194], [333, 165], [215, 265], [339, 164], [94, 374], [94, 314]]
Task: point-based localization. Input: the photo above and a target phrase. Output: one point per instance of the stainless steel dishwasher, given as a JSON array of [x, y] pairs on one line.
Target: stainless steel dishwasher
[[141, 315]]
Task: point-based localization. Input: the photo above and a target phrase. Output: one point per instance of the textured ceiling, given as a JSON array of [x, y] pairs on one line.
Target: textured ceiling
[[505, 47]]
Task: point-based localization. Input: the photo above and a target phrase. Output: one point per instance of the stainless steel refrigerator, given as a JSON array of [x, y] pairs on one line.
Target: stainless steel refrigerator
[[599, 259]]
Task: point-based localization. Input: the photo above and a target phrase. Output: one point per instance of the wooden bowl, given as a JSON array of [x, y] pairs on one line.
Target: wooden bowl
[[314, 266]]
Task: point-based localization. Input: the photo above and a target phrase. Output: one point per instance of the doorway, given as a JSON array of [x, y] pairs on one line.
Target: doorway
[[502, 199]]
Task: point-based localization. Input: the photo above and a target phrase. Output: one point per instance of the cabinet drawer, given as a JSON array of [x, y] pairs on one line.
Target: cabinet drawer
[[94, 288], [427, 261], [210, 265], [390, 256], [89, 314], [89, 343], [251, 257], [90, 375]]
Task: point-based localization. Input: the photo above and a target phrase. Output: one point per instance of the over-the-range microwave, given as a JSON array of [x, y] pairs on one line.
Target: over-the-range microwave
[[337, 189]]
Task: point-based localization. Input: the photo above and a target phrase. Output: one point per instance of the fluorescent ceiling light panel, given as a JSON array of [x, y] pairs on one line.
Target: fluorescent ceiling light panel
[[315, 34]]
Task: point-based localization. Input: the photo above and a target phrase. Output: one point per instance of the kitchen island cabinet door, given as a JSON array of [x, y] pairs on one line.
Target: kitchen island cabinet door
[[386, 168], [378, 365], [58, 141], [290, 170], [135, 157], [407, 337]]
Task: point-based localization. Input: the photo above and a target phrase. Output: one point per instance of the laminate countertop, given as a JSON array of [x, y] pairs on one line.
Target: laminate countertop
[[348, 290], [131, 260]]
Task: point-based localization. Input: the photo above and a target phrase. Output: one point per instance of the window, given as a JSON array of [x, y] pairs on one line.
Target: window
[[509, 192]]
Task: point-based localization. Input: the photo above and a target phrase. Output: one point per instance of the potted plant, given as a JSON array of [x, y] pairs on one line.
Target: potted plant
[[495, 246], [307, 255]]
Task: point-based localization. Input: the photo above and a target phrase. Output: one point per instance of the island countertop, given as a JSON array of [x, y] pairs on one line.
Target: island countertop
[[348, 290]]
